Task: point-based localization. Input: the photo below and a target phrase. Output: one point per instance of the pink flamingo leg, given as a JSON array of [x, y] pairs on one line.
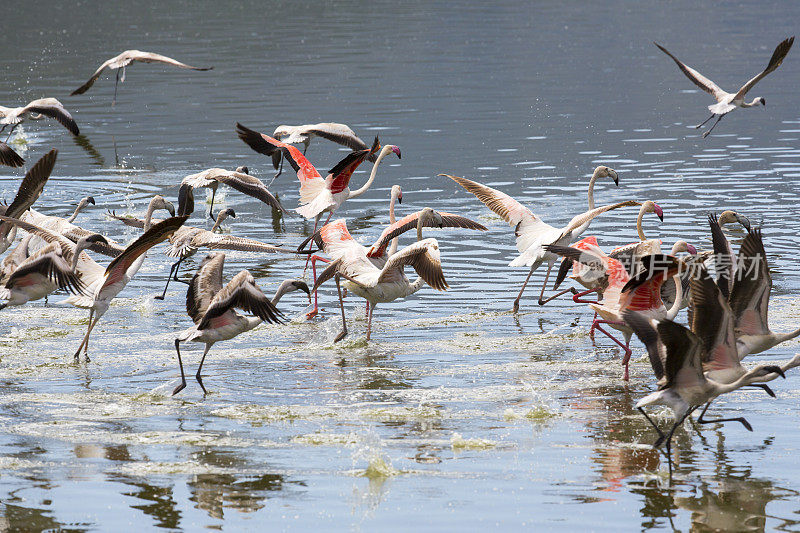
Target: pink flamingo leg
[[627, 357], [578, 295], [311, 242], [314, 258], [594, 325]]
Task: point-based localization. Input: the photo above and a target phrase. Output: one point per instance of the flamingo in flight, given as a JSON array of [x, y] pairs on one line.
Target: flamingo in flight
[[124, 59], [29, 191], [377, 284], [211, 307], [727, 102], [35, 110], [532, 233], [676, 355], [332, 131]]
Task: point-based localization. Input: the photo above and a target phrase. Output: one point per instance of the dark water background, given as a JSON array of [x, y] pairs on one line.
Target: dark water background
[[458, 414]]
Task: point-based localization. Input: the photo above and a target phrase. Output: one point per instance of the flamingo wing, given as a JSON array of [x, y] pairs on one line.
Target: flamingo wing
[[9, 157], [150, 57], [724, 259], [264, 144], [30, 189], [48, 263], [205, 284], [698, 79], [249, 185], [685, 353], [749, 297], [409, 222], [712, 322], [339, 176], [656, 351], [424, 257], [338, 133], [50, 107], [215, 241], [111, 63], [774, 62], [241, 292]]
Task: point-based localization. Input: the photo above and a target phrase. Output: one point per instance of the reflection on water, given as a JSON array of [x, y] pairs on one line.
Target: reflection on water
[[459, 414]]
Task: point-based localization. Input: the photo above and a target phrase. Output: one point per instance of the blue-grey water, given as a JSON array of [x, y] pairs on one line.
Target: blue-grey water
[[457, 414]]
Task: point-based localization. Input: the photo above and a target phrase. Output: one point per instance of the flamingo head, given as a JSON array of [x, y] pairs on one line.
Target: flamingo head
[[397, 194], [282, 131], [243, 170], [603, 171], [651, 207], [159, 202], [728, 216], [683, 246], [225, 213], [396, 150], [90, 200]]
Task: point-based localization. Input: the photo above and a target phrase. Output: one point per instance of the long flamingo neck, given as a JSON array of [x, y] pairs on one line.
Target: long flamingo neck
[[358, 192], [591, 190], [396, 241], [148, 216], [74, 215], [639, 229], [673, 311], [788, 336]]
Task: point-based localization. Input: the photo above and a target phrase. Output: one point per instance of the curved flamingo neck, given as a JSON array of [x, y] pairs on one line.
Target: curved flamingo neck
[[74, 215], [591, 190], [358, 192], [639, 220], [673, 311], [148, 216]]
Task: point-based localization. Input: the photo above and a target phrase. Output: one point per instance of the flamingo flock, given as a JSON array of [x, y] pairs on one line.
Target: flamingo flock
[[637, 288]]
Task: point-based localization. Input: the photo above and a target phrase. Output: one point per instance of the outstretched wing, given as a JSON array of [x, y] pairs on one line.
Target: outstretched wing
[[49, 263], [50, 107], [424, 257], [30, 189], [712, 322], [644, 329], [241, 292], [338, 133], [97, 73], [529, 227], [9, 157], [341, 173], [683, 368], [150, 57], [752, 284], [774, 62], [698, 79], [249, 185], [205, 284], [409, 222], [264, 144]]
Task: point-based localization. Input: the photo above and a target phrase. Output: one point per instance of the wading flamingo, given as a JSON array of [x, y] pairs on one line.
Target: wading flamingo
[[727, 102], [377, 285], [211, 307], [123, 60], [119, 272], [532, 233], [676, 355]]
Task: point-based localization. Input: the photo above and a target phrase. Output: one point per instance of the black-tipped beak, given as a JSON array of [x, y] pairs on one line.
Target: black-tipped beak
[[776, 370], [90, 199], [301, 285], [399, 199]]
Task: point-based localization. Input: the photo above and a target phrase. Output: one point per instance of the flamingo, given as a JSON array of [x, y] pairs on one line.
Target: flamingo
[[727, 102], [53, 267], [724, 259], [532, 233], [620, 292], [65, 227], [386, 245], [185, 242], [123, 60], [29, 191], [105, 286], [238, 179], [332, 131], [749, 299], [374, 284], [676, 355], [9, 157], [49, 107], [211, 307]]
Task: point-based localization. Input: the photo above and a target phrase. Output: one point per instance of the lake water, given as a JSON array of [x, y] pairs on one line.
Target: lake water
[[458, 414]]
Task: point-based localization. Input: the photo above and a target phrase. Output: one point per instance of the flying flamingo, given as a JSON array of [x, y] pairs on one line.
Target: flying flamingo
[[106, 285], [123, 60], [727, 102], [332, 131], [29, 191], [374, 284], [532, 233], [676, 355], [211, 307]]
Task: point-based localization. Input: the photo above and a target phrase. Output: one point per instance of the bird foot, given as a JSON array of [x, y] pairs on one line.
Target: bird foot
[[705, 134], [200, 381], [342, 334], [159, 297], [515, 308], [311, 314], [179, 388]]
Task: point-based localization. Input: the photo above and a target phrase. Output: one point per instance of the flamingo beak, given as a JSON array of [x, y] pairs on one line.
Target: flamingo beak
[[90, 199], [400, 199], [776, 370], [691, 249], [659, 212], [396, 150], [744, 221]]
